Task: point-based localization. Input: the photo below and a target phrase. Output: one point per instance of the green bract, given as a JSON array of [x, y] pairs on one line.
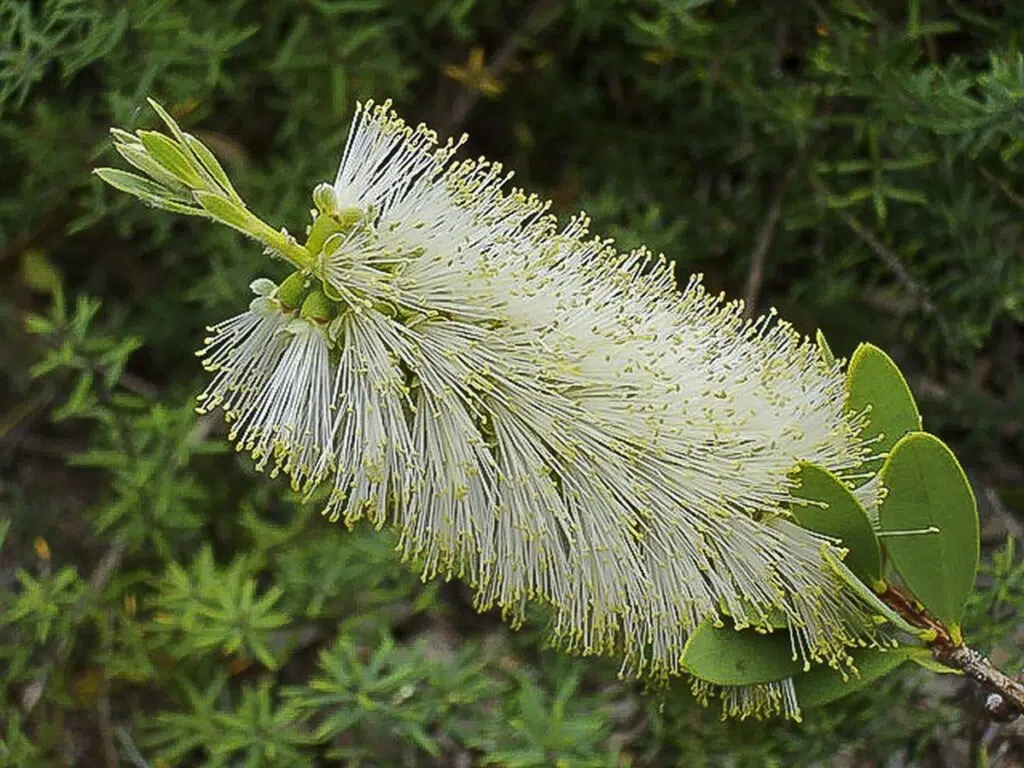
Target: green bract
[[927, 489]]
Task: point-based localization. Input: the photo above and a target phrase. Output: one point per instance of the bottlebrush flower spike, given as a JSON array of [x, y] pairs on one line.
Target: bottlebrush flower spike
[[535, 412], [272, 379]]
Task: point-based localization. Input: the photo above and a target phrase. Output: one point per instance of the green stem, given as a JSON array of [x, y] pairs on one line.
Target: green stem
[[241, 218]]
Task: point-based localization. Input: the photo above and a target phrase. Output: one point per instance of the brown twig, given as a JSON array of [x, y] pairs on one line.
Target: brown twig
[[917, 291], [104, 723], [1003, 187], [1006, 694], [33, 691], [468, 97], [128, 748], [765, 236]]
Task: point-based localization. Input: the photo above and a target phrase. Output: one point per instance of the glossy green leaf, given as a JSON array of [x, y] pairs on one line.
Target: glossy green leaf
[[844, 518], [868, 595], [822, 684], [926, 487], [874, 380], [725, 656]]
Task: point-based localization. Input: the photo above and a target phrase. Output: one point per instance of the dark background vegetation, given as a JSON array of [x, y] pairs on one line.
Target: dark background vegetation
[[857, 164]]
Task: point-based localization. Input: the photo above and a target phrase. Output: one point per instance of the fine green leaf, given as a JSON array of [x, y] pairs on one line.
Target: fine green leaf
[[39, 273], [926, 487], [844, 518], [725, 656], [169, 155], [169, 121], [212, 166], [139, 156], [822, 684], [874, 380], [145, 190], [124, 137], [131, 183]]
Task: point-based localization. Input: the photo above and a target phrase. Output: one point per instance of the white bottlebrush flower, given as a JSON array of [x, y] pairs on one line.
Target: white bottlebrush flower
[[537, 413], [555, 421], [273, 380], [243, 352]]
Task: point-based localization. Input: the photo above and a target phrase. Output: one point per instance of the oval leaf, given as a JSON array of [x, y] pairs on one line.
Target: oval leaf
[[726, 656], [874, 379], [822, 684], [844, 518], [925, 486]]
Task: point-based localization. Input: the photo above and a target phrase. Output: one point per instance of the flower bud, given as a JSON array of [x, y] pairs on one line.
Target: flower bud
[[293, 290], [328, 226], [325, 199], [317, 307], [263, 286]]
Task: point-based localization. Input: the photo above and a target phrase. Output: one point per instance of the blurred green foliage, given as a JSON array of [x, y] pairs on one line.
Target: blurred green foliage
[[857, 164]]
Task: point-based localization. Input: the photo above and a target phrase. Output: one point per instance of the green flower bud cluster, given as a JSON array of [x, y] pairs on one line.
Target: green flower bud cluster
[[300, 291]]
